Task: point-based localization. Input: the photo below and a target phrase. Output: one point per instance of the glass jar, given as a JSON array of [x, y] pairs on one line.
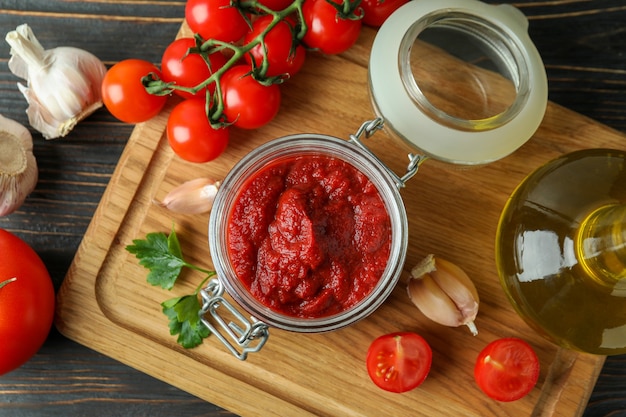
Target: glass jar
[[249, 337]]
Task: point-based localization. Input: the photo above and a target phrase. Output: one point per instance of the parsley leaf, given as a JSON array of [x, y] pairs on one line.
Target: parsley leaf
[[184, 320], [161, 255]]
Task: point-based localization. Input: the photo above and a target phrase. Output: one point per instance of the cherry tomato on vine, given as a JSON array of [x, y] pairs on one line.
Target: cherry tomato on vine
[[190, 134], [124, 95], [215, 19], [189, 70], [375, 12], [399, 362], [247, 103], [507, 369], [327, 31], [278, 42], [26, 302]]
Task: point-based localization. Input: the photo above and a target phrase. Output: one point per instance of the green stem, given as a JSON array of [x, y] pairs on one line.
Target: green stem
[[199, 287], [197, 268], [8, 281]]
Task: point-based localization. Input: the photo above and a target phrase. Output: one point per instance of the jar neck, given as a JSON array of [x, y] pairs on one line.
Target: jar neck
[[601, 245]]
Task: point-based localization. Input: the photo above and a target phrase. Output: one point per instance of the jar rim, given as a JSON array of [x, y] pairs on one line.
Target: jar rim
[[298, 145]]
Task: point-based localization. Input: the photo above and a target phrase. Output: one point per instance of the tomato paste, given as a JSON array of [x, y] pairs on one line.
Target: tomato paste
[[309, 236]]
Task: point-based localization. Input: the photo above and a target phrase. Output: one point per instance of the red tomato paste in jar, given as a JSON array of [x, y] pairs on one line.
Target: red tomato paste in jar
[[309, 236]]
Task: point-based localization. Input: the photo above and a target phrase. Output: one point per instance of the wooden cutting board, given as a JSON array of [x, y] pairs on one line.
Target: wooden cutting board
[[106, 304]]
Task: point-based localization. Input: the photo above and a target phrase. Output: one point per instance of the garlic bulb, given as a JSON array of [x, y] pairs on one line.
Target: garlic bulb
[[63, 84], [444, 293], [192, 197], [18, 167]]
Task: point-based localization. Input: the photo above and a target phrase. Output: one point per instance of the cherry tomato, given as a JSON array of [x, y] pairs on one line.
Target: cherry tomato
[[399, 362], [507, 369], [375, 12], [278, 42], [327, 32], [190, 134], [26, 302], [215, 19], [189, 70], [247, 103], [124, 95]]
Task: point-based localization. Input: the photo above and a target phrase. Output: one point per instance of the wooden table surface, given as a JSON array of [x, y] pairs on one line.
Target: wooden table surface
[[583, 44]]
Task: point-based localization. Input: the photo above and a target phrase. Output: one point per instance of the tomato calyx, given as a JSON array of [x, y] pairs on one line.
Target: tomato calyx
[[8, 281], [153, 85], [347, 9]]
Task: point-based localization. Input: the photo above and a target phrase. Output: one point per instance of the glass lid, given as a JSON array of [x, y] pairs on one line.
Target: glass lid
[[459, 80]]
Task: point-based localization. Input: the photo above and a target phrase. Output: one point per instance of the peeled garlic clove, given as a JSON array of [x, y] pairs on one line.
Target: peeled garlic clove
[[444, 293], [18, 167], [63, 83], [192, 197]]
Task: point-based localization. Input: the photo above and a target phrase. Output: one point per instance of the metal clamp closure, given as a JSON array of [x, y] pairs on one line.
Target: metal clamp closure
[[240, 338], [368, 129]]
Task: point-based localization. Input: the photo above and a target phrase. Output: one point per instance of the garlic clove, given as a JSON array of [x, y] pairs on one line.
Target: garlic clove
[[192, 197], [444, 293], [18, 167], [433, 301], [63, 83]]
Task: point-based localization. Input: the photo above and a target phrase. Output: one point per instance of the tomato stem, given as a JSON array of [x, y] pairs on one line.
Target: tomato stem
[[8, 281], [201, 285]]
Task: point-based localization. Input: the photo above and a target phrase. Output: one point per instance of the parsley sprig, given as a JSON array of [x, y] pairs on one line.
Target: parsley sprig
[[163, 257]]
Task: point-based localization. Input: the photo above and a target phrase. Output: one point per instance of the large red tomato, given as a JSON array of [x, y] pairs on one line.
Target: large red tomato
[[26, 302]]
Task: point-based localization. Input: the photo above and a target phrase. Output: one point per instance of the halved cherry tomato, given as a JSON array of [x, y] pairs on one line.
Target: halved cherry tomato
[[215, 19], [190, 134], [124, 95], [247, 103], [399, 362], [327, 31], [375, 12], [282, 57], [189, 70], [507, 369]]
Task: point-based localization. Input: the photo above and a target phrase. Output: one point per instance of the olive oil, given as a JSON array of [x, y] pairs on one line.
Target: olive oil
[[561, 251]]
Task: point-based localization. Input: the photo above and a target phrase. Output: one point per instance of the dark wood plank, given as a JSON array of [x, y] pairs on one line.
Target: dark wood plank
[[583, 44]]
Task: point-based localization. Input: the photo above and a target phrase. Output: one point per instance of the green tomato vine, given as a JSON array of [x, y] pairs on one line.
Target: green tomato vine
[[215, 105]]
